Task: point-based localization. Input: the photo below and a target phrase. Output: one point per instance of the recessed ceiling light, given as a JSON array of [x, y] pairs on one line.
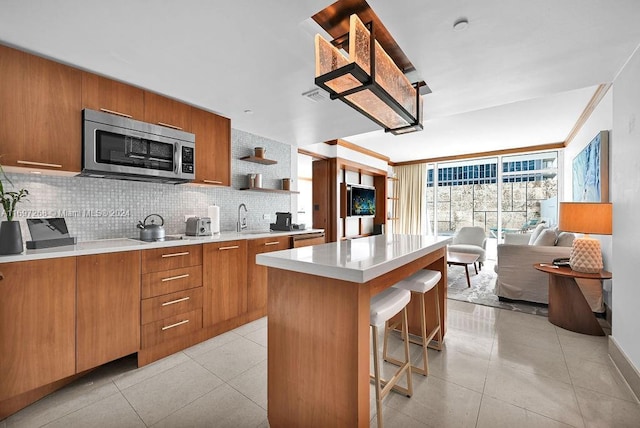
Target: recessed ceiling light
[[248, 111], [460, 24]]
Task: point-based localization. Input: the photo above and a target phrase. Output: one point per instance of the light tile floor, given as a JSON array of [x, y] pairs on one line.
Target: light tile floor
[[498, 369]]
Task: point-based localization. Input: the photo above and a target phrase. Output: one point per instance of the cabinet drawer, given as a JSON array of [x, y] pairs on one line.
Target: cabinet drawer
[[307, 240], [161, 307], [171, 328], [169, 281], [266, 245], [171, 258]]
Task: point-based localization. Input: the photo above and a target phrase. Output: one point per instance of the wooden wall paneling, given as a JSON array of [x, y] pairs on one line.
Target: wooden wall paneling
[[324, 197], [380, 183]]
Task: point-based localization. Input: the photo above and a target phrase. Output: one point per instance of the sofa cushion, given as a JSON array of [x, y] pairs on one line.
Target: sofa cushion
[[536, 232], [546, 238], [565, 239]]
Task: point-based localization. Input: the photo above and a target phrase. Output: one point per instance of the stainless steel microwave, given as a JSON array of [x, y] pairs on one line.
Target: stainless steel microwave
[[123, 148]]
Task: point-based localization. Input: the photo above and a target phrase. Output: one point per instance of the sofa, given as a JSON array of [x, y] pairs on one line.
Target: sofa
[[519, 280]]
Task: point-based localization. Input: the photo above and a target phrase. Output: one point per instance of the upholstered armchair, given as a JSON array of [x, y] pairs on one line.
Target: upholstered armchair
[[470, 240]]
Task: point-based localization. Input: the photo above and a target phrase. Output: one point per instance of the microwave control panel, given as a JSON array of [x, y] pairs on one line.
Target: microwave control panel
[[187, 160]]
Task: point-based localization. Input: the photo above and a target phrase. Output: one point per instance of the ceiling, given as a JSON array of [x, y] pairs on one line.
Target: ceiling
[[519, 75]]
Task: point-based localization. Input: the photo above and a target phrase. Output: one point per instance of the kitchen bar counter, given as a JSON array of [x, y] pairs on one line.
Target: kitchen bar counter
[[125, 244], [318, 323]]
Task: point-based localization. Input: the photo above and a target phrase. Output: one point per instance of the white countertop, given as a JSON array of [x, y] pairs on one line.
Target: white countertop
[[357, 260], [127, 244]]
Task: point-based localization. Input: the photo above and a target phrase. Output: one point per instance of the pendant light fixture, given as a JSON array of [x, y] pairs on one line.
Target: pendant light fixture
[[368, 79]]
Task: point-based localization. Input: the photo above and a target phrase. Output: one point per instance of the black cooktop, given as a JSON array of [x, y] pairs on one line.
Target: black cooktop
[[166, 238]]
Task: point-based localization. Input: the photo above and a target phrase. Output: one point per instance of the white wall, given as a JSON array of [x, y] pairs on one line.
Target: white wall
[[625, 195], [601, 120]]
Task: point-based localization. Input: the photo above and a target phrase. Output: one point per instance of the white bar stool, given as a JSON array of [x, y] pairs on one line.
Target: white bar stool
[[384, 306], [419, 284]]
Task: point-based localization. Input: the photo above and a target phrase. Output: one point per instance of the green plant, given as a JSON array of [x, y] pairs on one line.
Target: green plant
[[10, 199]]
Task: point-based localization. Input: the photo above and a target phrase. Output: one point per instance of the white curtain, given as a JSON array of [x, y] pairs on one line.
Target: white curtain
[[411, 207]]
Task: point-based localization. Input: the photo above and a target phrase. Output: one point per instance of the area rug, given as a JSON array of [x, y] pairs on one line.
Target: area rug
[[482, 290]]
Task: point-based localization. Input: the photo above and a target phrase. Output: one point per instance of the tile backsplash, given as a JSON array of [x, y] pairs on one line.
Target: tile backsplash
[[96, 208]]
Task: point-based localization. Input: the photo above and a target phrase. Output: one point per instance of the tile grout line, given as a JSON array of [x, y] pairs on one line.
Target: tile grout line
[[573, 386]]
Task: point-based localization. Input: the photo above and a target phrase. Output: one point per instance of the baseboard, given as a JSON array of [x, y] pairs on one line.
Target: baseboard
[[628, 371]]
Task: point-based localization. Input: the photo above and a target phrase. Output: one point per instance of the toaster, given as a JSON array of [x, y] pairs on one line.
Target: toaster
[[198, 226]]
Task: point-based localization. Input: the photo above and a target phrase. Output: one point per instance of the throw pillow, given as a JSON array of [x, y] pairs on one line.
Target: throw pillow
[[536, 232], [565, 239], [547, 238]]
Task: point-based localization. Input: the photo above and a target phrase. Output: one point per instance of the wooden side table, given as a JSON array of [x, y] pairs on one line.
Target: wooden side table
[[568, 307]]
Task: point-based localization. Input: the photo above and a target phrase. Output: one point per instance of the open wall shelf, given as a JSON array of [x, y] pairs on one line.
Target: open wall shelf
[[262, 189], [254, 159]]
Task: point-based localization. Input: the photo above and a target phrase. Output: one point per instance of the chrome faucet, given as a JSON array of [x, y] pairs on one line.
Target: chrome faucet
[[242, 221]]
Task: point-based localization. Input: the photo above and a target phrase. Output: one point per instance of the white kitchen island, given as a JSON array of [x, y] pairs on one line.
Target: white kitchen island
[[318, 323]]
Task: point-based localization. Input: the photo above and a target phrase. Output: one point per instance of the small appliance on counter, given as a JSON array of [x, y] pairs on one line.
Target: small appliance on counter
[[198, 226], [151, 231], [48, 232], [283, 222]]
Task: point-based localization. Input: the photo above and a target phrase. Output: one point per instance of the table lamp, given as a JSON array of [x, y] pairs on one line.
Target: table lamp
[[586, 217]]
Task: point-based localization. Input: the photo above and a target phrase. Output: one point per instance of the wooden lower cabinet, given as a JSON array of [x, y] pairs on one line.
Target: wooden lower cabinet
[[164, 259], [257, 275], [224, 281], [171, 305], [173, 327], [108, 307], [307, 239], [37, 324]]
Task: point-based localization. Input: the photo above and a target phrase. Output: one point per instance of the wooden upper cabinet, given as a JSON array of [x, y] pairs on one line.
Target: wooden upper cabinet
[[166, 112], [213, 148], [108, 310], [37, 324], [102, 94], [40, 112]]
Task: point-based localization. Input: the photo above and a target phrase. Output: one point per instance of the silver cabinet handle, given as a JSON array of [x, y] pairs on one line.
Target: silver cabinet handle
[[50, 165], [117, 113], [173, 302], [186, 253], [233, 247], [168, 125], [175, 325], [271, 243], [173, 278], [212, 181]]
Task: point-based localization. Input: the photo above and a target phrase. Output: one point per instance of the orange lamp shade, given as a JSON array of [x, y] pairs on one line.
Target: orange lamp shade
[[586, 217]]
